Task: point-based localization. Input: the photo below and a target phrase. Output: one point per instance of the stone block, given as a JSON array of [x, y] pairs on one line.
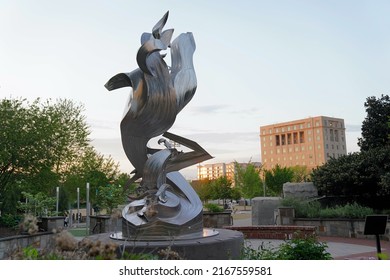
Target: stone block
[[263, 209], [300, 190]]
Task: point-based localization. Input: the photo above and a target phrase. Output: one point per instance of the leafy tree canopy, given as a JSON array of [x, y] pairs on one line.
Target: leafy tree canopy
[[45, 144], [276, 177], [247, 179], [375, 127]]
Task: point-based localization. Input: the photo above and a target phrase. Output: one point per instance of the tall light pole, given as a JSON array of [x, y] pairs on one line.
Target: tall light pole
[[58, 198], [78, 207], [88, 206]]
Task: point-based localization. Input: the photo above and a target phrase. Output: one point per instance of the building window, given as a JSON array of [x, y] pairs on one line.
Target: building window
[[277, 139], [336, 135], [288, 138], [301, 137], [283, 139], [295, 137], [331, 135]]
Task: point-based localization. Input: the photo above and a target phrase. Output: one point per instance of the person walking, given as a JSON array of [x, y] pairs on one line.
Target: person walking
[[66, 220]]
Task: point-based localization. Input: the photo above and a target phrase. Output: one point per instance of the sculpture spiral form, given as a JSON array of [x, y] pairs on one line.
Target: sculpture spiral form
[[167, 206]]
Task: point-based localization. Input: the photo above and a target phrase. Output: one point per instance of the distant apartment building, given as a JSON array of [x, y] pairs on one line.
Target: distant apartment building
[[216, 170], [307, 142]]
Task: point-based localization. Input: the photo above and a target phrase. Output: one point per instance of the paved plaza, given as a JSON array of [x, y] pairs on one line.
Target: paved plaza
[[339, 248]]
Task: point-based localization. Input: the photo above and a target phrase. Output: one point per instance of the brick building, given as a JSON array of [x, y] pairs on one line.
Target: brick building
[[307, 142]]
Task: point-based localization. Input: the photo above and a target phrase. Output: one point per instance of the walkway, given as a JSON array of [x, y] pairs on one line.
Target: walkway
[[340, 248]]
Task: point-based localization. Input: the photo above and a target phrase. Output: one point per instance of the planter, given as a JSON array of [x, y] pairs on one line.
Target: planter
[[51, 223], [217, 219], [341, 227], [104, 223]]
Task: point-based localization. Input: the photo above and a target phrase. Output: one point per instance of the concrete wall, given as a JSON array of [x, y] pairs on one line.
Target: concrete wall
[[263, 210], [12, 243], [299, 190], [217, 220], [340, 227]]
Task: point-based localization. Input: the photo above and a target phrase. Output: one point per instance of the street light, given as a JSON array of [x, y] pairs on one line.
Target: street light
[[58, 198], [78, 207]]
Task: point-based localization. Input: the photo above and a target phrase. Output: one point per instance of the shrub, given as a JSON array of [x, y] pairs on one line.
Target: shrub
[[212, 207], [298, 248], [303, 209], [29, 224], [308, 248], [9, 220], [312, 209]]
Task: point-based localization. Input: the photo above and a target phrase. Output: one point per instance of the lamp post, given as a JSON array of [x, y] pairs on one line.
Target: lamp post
[[88, 206], [58, 198], [78, 207]]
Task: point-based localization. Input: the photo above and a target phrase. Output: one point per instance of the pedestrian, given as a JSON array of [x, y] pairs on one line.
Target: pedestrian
[[66, 220]]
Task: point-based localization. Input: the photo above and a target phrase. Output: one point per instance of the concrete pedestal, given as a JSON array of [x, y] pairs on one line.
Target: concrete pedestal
[[227, 244], [263, 210]]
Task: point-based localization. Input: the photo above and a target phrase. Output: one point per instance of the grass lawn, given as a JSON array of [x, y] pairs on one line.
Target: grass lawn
[[78, 232]]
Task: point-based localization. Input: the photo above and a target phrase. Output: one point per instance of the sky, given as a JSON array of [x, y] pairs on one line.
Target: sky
[[257, 63]]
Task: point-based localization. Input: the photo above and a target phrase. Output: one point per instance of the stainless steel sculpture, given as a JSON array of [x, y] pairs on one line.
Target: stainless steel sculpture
[[166, 206]]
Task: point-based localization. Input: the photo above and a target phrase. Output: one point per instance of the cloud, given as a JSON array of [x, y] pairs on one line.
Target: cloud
[[353, 128], [207, 109]]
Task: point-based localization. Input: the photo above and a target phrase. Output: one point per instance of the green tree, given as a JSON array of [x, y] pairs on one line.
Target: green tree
[[248, 180], [221, 188], [92, 168], [203, 188], [37, 204], [276, 177], [25, 136], [301, 174], [44, 145], [375, 127], [360, 177], [109, 197]]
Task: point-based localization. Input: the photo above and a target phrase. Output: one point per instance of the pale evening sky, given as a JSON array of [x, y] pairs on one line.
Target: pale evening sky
[[257, 63]]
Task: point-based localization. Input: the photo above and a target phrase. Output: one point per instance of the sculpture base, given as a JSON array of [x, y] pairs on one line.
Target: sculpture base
[[227, 244], [202, 234]]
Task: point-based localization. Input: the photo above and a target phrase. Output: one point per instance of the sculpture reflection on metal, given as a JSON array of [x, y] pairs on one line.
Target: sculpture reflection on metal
[[166, 205]]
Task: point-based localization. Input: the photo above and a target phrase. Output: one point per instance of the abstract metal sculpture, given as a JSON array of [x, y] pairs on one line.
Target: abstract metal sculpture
[[166, 205]]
